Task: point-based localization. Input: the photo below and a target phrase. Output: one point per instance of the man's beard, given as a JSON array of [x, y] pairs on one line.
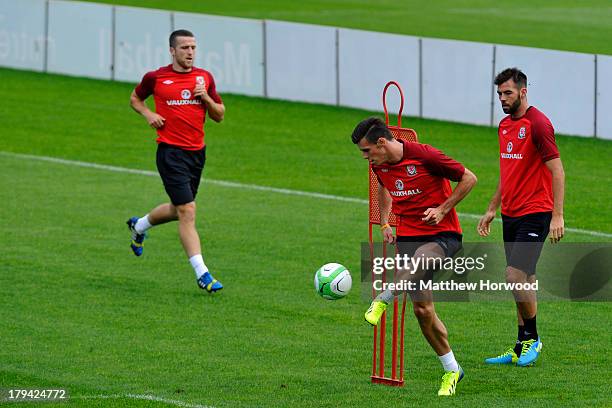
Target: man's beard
[[513, 108]]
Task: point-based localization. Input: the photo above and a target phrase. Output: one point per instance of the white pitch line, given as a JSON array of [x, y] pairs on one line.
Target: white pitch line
[[233, 184], [176, 403]]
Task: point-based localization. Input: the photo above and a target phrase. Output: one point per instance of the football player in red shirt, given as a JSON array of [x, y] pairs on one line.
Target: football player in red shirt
[[183, 95], [530, 191], [414, 184]]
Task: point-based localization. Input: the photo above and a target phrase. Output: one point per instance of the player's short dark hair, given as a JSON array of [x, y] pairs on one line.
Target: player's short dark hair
[[179, 33], [372, 129], [515, 74]]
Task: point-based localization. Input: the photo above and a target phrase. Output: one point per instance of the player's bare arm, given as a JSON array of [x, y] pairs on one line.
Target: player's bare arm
[[153, 119], [216, 111], [557, 225], [484, 225], [434, 215], [384, 202]]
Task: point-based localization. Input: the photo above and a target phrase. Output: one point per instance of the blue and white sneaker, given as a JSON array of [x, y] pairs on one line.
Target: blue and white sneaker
[[530, 352], [209, 284], [137, 239]]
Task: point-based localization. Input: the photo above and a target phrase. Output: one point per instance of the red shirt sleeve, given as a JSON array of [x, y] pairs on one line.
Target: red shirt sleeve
[[543, 136], [145, 88], [212, 90], [440, 164]]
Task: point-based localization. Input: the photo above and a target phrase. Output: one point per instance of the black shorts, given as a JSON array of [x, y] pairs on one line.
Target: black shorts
[[180, 171], [524, 238], [449, 241]]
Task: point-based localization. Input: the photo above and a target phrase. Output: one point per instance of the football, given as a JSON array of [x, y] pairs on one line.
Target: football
[[333, 281]]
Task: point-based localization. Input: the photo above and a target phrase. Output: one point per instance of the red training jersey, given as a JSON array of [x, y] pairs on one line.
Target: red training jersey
[[525, 145], [174, 100], [420, 181]]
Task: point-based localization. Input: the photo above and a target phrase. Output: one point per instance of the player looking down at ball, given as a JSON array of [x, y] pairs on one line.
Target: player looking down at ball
[[414, 184], [183, 96]]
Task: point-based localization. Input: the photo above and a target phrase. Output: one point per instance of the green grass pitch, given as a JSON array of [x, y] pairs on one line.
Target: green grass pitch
[[80, 311], [582, 26]]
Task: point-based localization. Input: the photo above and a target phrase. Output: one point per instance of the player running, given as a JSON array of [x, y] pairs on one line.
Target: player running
[[183, 95], [530, 190], [414, 184]]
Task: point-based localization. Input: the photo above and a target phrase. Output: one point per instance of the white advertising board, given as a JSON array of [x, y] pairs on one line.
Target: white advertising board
[[457, 79], [22, 34], [141, 42], [80, 36], [604, 96], [301, 62], [368, 60]]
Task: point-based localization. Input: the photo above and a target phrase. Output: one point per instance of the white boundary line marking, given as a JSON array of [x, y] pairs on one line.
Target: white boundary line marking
[[247, 186], [146, 397]]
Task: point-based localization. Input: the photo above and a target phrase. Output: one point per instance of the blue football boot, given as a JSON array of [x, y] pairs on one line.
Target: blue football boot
[[509, 357], [137, 239], [209, 284], [530, 352]]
